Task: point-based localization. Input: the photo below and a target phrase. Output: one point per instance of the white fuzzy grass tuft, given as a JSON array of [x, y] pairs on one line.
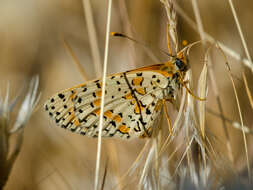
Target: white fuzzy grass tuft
[[8, 155]]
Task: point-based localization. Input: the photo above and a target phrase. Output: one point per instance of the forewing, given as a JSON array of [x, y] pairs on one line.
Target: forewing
[[132, 104]]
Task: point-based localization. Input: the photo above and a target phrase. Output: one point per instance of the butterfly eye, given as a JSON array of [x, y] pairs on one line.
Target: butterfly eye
[[180, 64]]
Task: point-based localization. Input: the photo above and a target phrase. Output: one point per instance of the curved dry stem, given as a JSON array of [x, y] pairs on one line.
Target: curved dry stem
[[240, 31], [204, 37], [240, 113], [135, 163], [234, 124], [247, 89], [201, 104], [146, 166], [209, 38], [183, 156]]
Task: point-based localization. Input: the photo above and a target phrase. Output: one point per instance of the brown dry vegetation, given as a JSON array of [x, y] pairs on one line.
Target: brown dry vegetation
[[31, 35]]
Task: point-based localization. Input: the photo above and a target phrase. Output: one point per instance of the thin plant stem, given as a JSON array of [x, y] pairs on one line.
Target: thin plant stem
[[198, 20], [240, 113], [96, 55], [76, 61], [203, 76], [128, 29], [212, 77], [234, 124], [103, 94], [133, 166], [183, 156], [240, 32], [146, 166], [92, 37], [113, 157], [209, 38], [247, 89]]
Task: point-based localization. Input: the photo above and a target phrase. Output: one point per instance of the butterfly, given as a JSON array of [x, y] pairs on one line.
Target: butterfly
[[133, 100]]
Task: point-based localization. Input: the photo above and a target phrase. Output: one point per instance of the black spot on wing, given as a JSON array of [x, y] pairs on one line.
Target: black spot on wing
[[98, 85], [79, 100], [148, 112], [113, 123], [61, 95]]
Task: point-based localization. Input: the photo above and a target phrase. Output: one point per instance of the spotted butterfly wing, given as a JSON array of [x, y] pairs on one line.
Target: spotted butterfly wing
[[133, 102]]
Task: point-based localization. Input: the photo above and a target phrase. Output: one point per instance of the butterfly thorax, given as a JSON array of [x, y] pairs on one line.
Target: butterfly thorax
[[175, 70]]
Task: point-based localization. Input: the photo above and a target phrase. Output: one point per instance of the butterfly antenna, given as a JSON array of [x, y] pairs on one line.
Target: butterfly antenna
[[117, 34]]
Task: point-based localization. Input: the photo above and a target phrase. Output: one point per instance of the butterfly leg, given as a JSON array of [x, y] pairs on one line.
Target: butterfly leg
[[167, 116]]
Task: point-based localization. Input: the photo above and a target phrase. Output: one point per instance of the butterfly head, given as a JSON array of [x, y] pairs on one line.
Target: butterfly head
[[176, 65], [181, 61], [181, 65]]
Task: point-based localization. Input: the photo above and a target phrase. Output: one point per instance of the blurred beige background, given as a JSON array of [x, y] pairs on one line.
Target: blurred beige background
[[31, 36]]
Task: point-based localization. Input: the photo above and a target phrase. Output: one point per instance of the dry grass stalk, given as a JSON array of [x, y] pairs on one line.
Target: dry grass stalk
[[92, 37], [76, 60], [9, 155], [212, 40], [240, 32], [103, 94], [172, 37], [202, 92], [247, 89], [240, 114], [212, 76], [234, 124], [128, 30]]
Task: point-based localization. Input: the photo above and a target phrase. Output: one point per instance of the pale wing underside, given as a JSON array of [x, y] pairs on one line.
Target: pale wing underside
[[132, 105]]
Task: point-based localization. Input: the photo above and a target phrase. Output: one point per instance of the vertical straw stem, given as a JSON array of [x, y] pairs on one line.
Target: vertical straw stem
[[103, 94], [241, 119], [128, 30], [203, 76], [92, 37], [240, 32], [198, 20]]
